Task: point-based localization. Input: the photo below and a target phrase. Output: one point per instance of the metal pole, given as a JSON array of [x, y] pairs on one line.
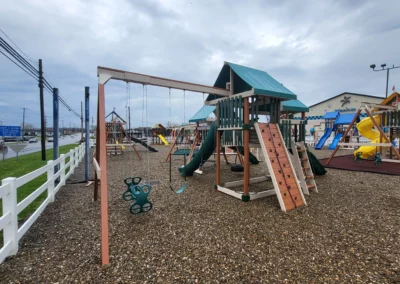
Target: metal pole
[[87, 137], [42, 123], [55, 126], [23, 124], [387, 82], [81, 122]]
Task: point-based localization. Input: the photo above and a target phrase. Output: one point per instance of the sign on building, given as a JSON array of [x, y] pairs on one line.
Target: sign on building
[[10, 130]]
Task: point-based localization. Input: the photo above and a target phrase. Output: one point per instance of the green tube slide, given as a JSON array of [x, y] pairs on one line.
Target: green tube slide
[[206, 150]]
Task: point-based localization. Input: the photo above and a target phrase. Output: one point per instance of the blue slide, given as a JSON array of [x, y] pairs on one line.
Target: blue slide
[[335, 141], [321, 142]]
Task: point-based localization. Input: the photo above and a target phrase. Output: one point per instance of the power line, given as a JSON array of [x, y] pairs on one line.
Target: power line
[[30, 59], [29, 69], [18, 57], [19, 66]]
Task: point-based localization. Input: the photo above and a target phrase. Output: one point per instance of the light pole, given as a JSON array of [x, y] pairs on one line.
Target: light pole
[[372, 66]]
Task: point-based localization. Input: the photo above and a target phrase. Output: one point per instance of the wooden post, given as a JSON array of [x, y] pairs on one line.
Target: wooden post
[[103, 177], [344, 136], [246, 137], [380, 139], [218, 147], [218, 158], [181, 131], [97, 153], [391, 141]]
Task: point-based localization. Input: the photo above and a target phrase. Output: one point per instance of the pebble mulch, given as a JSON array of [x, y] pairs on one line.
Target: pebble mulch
[[349, 232]]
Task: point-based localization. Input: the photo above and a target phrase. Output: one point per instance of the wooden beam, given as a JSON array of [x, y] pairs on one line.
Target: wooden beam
[[243, 95], [105, 259], [377, 106], [218, 157], [253, 195], [252, 181], [161, 82], [293, 121], [366, 144], [97, 168], [344, 136], [390, 161]]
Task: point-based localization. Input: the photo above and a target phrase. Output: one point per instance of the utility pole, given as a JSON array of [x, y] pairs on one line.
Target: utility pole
[[87, 135], [55, 126], [81, 122], [63, 127], [92, 125], [42, 118], [23, 123]]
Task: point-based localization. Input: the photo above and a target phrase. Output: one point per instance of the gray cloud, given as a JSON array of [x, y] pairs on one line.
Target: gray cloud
[[317, 49]]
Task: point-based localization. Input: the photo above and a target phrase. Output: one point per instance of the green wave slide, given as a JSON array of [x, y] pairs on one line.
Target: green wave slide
[[206, 150]]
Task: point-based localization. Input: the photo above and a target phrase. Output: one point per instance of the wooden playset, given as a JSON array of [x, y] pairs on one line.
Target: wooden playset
[[241, 96], [380, 117], [157, 134]]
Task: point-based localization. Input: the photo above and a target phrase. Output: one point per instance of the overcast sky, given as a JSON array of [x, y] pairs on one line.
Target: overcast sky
[[317, 49]]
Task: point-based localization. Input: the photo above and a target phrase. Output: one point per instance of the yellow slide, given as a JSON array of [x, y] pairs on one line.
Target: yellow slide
[[122, 147], [163, 139], [365, 129]]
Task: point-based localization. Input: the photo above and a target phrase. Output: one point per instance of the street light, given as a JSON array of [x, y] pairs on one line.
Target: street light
[[372, 66]]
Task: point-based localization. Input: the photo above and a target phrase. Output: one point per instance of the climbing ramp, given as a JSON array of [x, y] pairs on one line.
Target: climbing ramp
[[276, 156]]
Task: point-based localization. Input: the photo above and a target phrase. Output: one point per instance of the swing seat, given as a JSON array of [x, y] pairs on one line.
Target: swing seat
[[182, 189], [131, 183], [140, 194]]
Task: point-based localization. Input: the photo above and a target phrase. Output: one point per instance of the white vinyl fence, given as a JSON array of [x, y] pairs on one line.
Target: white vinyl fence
[[11, 208]]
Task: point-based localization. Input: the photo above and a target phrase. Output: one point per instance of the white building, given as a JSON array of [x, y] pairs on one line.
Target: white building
[[344, 103]]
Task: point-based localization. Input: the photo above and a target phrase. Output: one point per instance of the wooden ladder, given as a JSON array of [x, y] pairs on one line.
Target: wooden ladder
[[281, 169], [303, 168]]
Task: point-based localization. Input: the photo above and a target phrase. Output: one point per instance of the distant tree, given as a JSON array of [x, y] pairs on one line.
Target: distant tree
[[28, 126]]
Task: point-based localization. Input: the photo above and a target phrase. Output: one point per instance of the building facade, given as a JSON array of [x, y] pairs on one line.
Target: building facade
[[344, 103]]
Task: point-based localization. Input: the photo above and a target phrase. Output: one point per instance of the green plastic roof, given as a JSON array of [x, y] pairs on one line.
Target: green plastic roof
[[202, 114], [294, 106], [246, 78], [262, 82]]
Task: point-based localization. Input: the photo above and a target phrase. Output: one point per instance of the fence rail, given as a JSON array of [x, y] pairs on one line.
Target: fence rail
[[56, 177]]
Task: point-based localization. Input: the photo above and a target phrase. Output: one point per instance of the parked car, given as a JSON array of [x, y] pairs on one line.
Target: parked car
[[33, 140], [10, 139], [50, 139]]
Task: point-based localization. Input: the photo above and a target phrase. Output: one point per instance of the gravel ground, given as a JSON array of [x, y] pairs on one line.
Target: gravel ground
[[349, 232]]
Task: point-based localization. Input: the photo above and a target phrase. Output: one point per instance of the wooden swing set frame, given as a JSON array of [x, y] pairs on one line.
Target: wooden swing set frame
[[100, 161]]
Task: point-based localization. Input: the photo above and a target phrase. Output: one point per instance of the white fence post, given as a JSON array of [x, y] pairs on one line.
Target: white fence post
[[76, 156], [10, 205], [62, 169], [50, 180], [80, 152], [72, 160]]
